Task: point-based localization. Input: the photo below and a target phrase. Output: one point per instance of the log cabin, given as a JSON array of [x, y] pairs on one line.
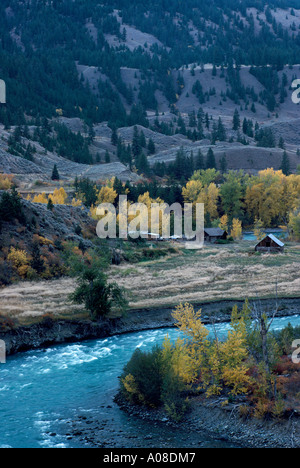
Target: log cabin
[[270, 244]]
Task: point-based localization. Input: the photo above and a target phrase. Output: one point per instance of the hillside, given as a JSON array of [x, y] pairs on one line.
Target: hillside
[[78, 71]]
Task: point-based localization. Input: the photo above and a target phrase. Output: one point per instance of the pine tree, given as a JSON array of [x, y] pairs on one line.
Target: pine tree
[[50, 205], [37, 263], [124, 35], [211, 161], [285, 164], [221, 131], [142, 164], [142, 138], [281, 143], [200, 161], [151, 147], [55, 174], [236, 120], [114, 137], [223, 164], [136, 146], [107, 157]]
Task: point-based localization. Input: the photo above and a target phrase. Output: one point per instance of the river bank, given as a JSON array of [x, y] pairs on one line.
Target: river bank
[[52, 332], [64, 396], [206, 425], [225, 424]]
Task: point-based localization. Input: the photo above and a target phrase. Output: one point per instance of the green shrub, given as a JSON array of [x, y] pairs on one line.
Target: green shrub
[[96, 294], [146, 370], [11, 207], [147, 380], [172, 396]]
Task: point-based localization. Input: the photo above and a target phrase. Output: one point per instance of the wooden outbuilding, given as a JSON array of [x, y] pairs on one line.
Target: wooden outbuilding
[[212, 235], [270, 244]]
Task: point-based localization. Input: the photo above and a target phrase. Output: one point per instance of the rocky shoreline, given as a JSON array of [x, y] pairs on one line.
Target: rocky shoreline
[[206, 425], [225, 424], [52, 332]]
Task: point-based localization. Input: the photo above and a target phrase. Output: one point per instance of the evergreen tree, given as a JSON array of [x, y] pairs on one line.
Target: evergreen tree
[[200, 161], [285, 164], [37, 263], [136, 144], [236, 120], [210, 160], [107, 157], [55, 174], [142, 164], [281, 143], [223, 164], [151, 147], [221, 131], [142, 139], [50, 205], [114, 137]]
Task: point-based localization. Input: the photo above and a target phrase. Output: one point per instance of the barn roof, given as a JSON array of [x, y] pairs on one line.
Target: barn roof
[[281, 244], [214, 232], [274, 239]]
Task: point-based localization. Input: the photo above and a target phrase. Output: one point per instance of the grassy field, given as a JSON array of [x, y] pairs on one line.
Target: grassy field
[[217, 272]]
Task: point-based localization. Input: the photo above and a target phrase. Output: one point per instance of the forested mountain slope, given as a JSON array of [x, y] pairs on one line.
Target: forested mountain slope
[[156, 64]]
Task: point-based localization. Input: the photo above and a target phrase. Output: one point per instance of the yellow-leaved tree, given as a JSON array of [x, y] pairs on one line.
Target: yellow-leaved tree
[[40, 198], [209, 196], [59, 197], [214, 364], [224, 223], [19, 260], [294, 224], [5, 181], [192, 190], [189, 322], [105, 195], [236, 230], [259, 229]]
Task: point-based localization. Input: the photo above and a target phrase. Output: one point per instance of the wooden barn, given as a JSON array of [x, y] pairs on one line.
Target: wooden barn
[[212, 235], [270, 244]]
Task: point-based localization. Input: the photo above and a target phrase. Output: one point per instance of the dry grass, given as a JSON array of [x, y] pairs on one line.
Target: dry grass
[[212, 274], [29, 302]]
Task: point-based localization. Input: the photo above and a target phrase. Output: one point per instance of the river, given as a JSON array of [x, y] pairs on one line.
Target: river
[[43, 391]]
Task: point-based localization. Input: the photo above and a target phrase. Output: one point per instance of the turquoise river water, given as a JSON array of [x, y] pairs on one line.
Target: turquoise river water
[[42, 390]]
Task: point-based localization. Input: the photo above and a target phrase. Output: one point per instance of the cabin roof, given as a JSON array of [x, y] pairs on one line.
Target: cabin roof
[[274, 239], [214, 232]]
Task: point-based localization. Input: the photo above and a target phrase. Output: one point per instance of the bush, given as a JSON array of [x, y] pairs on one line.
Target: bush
[[7, 323], [141, 381], [96, 294], [172, 396], [11, 207], [6, 273], [147, 380], [19, 260], [5, 181]]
